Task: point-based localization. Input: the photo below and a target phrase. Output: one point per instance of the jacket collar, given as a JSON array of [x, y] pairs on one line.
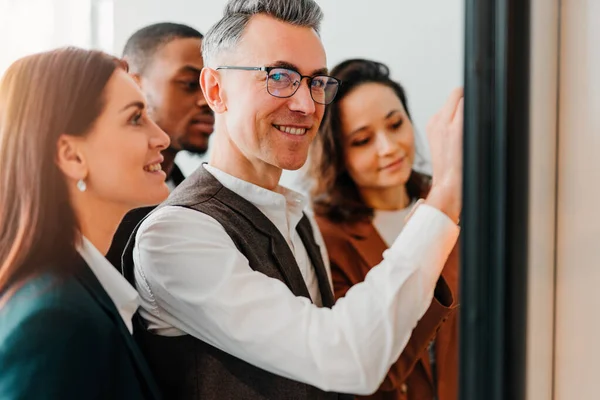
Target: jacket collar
[[89, 281]]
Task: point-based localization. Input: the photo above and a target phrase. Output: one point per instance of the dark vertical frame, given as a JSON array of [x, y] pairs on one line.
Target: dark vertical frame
[[494, 221]]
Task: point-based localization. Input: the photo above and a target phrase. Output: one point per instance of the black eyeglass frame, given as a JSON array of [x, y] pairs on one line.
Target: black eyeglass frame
[[309, 78]]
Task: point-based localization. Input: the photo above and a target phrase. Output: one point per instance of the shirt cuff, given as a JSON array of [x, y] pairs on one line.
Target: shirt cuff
[[429, 236]]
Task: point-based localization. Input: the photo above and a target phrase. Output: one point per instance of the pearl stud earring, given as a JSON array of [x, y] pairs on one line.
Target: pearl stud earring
[[81, 185]]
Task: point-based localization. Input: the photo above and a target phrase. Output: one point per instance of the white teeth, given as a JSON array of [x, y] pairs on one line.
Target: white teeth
[[291, 130], [153, 167]]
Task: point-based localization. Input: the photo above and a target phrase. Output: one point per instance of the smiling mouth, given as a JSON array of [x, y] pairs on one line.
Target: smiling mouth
[[394, 164], [153, 167], [291, 130]]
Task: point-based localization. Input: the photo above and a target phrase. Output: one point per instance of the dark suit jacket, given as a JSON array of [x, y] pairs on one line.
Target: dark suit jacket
[[63, 338], [355, 248]]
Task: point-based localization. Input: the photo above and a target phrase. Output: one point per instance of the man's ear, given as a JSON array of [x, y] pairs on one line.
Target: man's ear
[[210, 81], [70, 159]]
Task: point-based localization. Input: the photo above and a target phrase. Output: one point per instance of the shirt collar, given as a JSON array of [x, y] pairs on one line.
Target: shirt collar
[[120, 291], [270, 202]]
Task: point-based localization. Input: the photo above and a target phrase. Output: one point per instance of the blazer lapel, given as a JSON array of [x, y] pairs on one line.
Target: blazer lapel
[[366, 241], [87, 278]]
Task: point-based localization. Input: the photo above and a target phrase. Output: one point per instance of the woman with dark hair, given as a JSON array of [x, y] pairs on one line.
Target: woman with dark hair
[[365, 188], [77, 152]]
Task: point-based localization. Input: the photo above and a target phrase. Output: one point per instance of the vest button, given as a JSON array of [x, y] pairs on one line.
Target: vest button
[[404, 388]]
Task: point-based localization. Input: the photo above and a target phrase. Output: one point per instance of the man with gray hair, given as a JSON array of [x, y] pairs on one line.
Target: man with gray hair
[[233, 274]]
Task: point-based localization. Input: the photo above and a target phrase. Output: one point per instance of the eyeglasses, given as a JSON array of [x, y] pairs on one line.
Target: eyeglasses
[[284, 83]]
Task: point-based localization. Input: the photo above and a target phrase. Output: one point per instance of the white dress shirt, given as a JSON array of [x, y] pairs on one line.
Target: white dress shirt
[[122, 294], [192, 279]]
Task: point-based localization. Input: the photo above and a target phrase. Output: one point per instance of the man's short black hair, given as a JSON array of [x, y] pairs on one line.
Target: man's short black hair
[[143, 44]]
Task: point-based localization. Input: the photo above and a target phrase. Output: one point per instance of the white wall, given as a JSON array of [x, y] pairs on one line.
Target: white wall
[[578, 255], [32, 26], [421, 41]]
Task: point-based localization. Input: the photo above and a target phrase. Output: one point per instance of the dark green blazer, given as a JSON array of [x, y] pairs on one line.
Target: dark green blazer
[[64, 339]]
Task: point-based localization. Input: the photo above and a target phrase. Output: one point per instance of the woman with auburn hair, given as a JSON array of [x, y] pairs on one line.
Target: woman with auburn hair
[[77, 151], [365, 188]]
